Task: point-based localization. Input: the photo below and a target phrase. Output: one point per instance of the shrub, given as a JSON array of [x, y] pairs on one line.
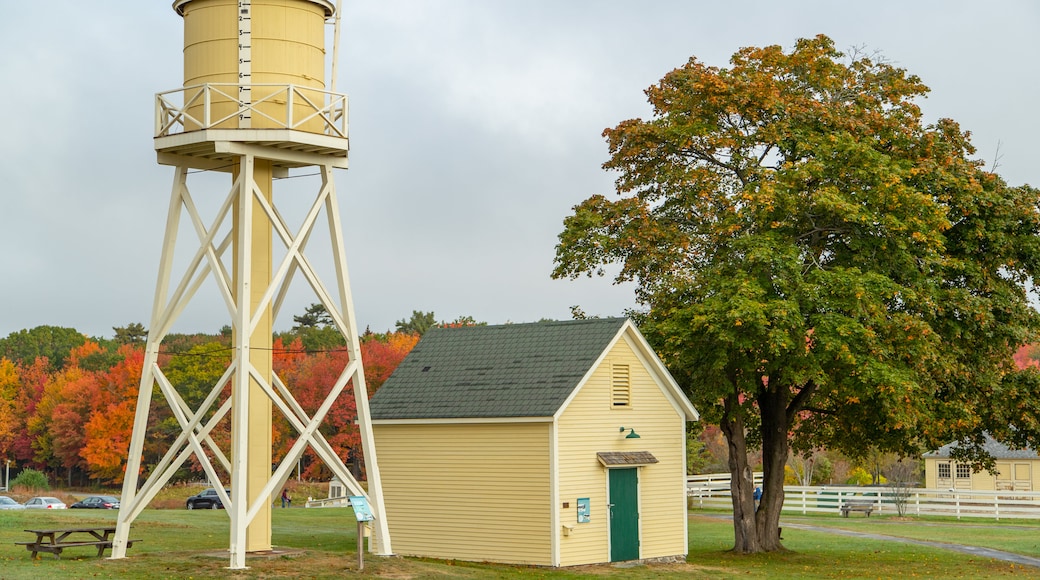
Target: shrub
[[32, 479], [860, 476]]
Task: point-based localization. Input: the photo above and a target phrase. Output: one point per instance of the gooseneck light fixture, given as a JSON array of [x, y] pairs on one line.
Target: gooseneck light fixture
[[632, 432]]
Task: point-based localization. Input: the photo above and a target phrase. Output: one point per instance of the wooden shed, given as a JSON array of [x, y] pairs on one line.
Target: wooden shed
[[550, 444], [1017, 470]]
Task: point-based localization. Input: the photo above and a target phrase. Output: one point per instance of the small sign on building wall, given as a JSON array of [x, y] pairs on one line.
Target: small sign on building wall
[[584, 510]]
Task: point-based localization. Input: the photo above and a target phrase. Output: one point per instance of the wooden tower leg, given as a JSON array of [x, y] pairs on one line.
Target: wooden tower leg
[[144, 394], [381, 533]]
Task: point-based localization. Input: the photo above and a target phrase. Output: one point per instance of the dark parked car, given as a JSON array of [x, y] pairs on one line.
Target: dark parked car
[[208, 499], [97, 502]]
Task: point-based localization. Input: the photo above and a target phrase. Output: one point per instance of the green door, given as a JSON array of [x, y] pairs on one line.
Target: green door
[[624, 514]]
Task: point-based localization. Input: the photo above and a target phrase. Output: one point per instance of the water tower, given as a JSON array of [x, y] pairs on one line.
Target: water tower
[[254, 105]]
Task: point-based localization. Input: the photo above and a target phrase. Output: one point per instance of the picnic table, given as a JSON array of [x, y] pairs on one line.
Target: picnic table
[[54, 541]]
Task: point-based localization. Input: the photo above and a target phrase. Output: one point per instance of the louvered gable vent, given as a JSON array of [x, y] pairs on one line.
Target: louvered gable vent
[[621, 385]]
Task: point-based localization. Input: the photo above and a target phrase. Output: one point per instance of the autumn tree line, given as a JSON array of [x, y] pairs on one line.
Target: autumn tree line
[[67, 401]]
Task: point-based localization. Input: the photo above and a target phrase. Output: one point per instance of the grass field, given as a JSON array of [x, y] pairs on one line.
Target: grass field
[[1013, 536], [320, 543]]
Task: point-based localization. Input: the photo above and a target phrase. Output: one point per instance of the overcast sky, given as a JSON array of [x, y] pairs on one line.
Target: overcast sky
[[475, 126]]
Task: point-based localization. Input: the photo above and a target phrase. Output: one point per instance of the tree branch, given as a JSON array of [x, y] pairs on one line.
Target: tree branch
[[800, 399]]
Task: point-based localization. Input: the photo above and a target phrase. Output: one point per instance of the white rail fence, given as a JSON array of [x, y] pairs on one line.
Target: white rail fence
[[712, 492], [327, 502]]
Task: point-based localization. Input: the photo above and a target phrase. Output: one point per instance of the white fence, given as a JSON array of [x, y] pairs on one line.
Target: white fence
[[328, 502], [712, 492]]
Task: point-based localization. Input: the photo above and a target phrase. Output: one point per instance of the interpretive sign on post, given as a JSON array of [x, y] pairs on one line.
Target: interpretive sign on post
[[363, 513]]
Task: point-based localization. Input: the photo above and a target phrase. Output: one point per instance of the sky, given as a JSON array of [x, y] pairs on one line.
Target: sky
[[475, 127]]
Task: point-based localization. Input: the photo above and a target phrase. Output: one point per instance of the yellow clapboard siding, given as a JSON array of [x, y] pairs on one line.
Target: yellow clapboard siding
[[1020, 474], [591, 424], [468, 492]]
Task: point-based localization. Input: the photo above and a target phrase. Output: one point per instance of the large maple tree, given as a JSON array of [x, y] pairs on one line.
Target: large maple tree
[[819, 267]]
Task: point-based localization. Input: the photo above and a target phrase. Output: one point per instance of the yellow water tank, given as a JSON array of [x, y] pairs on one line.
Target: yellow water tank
[[286, 46]]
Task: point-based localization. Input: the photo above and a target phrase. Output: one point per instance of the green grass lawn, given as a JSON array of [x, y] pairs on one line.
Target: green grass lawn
[[1016, 536], [321, 543]]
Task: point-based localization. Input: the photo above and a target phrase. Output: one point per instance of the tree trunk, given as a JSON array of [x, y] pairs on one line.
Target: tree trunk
[[757, 530], [742, 481], [773, 407]]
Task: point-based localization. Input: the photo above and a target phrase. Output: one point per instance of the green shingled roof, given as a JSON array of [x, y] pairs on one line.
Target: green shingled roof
[[510, 370]]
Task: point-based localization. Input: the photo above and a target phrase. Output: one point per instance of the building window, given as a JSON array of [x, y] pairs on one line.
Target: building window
[[944, 471], [963, 471], [620, 386]]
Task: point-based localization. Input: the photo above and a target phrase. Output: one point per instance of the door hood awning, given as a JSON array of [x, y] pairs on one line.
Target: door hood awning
[[627, 458]]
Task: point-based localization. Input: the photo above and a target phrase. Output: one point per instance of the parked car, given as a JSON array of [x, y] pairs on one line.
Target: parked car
[[7, 503], [45, 503], [97, 502], [208, 499]]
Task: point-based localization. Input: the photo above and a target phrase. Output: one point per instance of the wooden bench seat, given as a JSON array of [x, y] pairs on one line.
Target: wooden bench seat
[[857, 506]]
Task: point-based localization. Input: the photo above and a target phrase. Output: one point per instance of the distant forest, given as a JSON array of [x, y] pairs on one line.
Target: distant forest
[[67, 401]]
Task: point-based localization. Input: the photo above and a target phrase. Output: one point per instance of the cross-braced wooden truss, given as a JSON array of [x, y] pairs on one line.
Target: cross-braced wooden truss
[[197, 424]]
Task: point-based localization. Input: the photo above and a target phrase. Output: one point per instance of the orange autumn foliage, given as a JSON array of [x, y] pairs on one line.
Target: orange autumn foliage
[[311, 376], [75, 422]]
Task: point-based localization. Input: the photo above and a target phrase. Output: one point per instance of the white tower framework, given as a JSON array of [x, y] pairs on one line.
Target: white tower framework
[[253, 131]]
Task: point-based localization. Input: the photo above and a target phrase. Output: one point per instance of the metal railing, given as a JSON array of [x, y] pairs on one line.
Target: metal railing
[[278, 106], [713, 493]]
